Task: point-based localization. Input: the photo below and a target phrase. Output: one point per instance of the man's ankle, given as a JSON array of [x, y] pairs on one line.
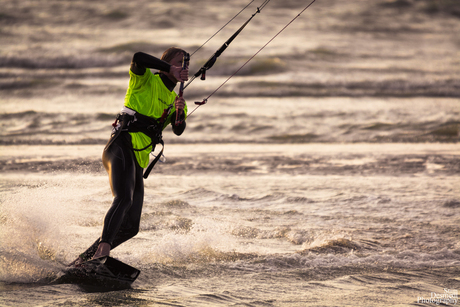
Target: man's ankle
[[102, 250]]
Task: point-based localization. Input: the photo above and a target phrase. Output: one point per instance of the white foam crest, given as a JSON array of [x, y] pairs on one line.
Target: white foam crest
[[326, 239], [206, 239], [405, 259]]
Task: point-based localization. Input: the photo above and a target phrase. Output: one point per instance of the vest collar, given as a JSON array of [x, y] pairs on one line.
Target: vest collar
[[170, 85]]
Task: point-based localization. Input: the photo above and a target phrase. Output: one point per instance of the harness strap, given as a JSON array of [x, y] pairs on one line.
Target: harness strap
[[154, 161], [139, 123]]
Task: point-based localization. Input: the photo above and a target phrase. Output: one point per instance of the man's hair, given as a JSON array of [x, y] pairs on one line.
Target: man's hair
[[170, 53]]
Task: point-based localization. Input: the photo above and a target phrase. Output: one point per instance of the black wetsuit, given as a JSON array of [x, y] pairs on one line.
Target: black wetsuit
[[122, 221]]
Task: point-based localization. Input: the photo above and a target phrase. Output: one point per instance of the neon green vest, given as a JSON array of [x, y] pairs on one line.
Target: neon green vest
[[148, 96]]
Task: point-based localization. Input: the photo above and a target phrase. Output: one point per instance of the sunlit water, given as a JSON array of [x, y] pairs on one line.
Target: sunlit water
[[325, 174]]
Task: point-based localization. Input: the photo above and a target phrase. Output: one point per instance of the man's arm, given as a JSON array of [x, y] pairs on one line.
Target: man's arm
[[142, 60]]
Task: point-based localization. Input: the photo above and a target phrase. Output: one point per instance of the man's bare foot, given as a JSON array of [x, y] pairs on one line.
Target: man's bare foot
[[102, 250]]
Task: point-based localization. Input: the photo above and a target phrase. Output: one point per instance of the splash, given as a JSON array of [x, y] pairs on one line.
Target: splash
[[206, 241], [35, 220]]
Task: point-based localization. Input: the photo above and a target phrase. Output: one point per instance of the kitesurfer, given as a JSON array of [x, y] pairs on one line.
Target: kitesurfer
[[150, 105]]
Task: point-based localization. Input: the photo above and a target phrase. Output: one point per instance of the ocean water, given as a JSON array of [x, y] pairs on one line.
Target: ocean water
[[325, 173]]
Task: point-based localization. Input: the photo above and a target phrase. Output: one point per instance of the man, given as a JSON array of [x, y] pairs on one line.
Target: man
[[150, 105]]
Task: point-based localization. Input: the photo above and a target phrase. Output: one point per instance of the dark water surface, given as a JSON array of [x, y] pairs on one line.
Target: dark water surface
[[326, 173]]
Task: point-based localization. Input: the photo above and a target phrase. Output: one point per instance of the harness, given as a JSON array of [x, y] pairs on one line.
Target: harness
[[136, 122]]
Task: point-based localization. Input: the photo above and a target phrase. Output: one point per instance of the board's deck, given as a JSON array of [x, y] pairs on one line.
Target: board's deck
[[103, 273]]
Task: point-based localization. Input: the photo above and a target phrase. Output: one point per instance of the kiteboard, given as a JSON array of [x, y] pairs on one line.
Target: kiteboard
[[101, 274]]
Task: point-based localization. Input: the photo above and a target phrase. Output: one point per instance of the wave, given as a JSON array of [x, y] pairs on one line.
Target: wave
[[389, 88], [62, 62], [334, 246], [52, 165], [352, 164], [41, 128], [110, 56], [379, 132], [27, 115]]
